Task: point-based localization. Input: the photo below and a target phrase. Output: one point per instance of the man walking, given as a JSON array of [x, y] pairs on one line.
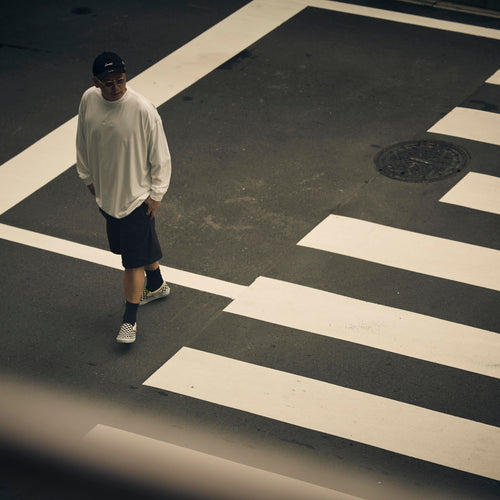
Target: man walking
[[123, 158]]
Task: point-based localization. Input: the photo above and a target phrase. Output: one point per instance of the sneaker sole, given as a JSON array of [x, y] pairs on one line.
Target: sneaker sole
[[125, 341]]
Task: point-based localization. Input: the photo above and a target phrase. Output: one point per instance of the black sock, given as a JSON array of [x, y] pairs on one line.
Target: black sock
[[130, 315], [154, 279]]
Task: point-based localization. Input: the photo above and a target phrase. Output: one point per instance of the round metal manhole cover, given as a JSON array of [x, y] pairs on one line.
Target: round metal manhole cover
[[421, 161]]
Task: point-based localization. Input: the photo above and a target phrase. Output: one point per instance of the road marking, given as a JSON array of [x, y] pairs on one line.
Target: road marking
[[476, 191], [494, 79], [420, 253], [378, 326], [37, 165], [472, 124], [214, 47], [175, 467], [106, 258], [373, 420], [400, 17]]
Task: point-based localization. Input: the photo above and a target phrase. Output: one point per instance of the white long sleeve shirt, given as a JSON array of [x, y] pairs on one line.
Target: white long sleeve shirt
[[122, 150]]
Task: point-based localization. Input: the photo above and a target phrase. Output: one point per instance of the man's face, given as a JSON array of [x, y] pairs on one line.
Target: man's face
[[113, 86]]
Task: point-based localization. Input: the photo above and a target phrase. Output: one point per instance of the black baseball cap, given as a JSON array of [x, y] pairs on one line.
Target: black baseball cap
[[107, 62]]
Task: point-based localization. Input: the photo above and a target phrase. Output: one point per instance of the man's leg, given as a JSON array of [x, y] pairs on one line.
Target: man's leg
[[133, 284]]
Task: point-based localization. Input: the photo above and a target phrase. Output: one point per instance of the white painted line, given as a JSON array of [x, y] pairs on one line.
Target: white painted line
[[420, 253], [202, 283], [60, 246], [196, 473], [373, 420], [477, 191], [400, 17], [494, 79], [472, 124], [106, 258], [37, 165], [381, 327], [214, 47]]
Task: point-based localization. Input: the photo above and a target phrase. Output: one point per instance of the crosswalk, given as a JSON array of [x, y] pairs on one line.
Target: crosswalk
[[398, 427], [410, 430], [391, 425]]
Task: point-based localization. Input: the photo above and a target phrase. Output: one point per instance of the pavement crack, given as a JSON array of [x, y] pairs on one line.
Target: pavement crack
[[21, 47]]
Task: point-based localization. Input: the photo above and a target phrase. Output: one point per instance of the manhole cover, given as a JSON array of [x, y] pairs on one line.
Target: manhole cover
[[421, 161]]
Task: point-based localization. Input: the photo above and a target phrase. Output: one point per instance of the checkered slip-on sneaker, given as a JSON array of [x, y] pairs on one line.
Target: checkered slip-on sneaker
[[148, 296], [127, 332]]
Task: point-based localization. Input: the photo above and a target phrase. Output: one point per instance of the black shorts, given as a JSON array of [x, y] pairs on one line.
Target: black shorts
[[134, 238]]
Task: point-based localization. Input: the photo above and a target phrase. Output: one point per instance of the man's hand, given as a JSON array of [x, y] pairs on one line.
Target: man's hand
[[153, 206], [90, 187]]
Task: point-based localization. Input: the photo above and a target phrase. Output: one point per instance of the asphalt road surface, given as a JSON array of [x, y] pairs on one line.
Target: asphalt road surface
[[332, 330]]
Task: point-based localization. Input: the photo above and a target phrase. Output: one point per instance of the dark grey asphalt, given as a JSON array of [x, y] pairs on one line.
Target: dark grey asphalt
[[263, 148]]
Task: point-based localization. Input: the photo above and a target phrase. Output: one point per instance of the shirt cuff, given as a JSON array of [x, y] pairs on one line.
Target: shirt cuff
[[156, 196]]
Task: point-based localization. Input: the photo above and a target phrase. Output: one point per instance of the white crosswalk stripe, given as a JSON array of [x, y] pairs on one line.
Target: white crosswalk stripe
[[473, 124], [494, 79], [391, 425], [374, 325], [452, 260], [476, 191], [176, 466]]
